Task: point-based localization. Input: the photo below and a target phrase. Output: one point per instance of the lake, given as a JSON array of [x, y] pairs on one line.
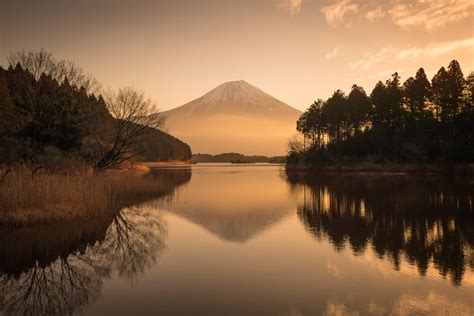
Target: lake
[[256, 240]]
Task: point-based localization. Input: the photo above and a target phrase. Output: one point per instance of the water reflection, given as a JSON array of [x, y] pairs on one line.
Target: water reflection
[[59, 269], [234, 203], [421, 220], [245, 241]]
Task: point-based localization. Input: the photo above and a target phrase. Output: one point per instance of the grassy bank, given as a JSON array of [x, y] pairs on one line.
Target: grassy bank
[[45, 197], [467, 169]]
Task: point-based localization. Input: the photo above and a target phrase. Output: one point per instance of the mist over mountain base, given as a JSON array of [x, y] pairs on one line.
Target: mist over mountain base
[[234, 117]]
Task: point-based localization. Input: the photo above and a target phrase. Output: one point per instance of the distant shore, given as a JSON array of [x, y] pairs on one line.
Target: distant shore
[[232, 157], [467, 169]]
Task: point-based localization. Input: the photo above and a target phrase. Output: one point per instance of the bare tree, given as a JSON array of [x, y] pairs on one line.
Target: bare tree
[[135, 117], [43, 62]]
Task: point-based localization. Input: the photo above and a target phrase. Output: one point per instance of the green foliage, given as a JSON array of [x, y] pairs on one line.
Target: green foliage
[[418, 121]]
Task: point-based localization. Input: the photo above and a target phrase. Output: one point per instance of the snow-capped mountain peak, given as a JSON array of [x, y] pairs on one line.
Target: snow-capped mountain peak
[[234, 117], [235, 92], [236, 97]]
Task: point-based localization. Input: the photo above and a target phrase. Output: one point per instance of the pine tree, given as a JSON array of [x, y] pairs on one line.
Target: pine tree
[[337, 115], [394, 101], [380, 112], [359, 108], [456, 86], [416, 93], [447, 88]]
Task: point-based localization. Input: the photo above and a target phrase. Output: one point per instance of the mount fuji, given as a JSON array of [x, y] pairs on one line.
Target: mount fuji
[[234, 117]]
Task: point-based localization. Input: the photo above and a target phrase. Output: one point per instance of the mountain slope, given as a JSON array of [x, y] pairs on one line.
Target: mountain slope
[[163, 147], [235, 116]]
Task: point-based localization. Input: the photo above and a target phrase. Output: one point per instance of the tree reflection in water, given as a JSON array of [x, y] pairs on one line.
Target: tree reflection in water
[[133, 241], [59, 269], [421, 219], [65, 285]]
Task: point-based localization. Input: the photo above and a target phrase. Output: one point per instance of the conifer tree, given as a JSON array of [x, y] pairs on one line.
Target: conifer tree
[[416, 94]]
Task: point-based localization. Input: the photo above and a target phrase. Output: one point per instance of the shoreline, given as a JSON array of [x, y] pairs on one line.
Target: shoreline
[[409, 168], [171, 163], [27, 200]]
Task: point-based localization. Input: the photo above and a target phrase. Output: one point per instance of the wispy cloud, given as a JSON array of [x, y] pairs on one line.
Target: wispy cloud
[[332, 54], [292, 7], [389, 54], [336, 13], [428, 14], [431, 14], [373, 58], [436, 49], [375, 14]]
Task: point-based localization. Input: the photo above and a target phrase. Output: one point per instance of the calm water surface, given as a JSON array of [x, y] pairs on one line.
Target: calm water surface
[[255, 240]]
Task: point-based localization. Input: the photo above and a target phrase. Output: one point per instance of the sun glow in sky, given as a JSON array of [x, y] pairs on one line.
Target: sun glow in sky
[[295, 50]]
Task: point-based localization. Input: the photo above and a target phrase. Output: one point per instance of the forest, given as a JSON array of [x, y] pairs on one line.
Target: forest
[[417, 121], [54, 116]]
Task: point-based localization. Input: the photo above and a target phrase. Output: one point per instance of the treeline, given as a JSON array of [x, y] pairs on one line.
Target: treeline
[[51, 115], [235, 158], [417, 121]]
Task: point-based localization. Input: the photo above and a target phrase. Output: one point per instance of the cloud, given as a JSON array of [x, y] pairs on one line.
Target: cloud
[[375, 14], [336, 13], [373, 58], [332, 54], [428, 14], [292, 7], [430, 50], [436, 49]]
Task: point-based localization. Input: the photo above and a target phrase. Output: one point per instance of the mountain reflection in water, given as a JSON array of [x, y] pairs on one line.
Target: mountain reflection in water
[[232, 206], [422, 219]]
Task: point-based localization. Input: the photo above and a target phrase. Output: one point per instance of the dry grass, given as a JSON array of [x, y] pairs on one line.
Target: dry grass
[[45, 197]]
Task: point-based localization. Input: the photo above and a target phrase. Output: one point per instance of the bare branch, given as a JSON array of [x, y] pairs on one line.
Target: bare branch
[[135, 115], [43, 62]]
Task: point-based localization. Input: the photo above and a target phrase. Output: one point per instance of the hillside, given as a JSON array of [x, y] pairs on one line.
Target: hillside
[[164, 147]]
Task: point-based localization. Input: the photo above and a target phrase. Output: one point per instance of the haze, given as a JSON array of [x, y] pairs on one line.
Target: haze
[[295, 50]]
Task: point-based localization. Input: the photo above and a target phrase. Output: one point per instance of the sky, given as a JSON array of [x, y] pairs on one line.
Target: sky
[[296, 50]]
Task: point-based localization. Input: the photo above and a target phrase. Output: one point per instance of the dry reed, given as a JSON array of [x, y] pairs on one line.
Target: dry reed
[[45, 197]]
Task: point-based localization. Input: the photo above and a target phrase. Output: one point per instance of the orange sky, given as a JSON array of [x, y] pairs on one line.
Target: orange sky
[[296, 50]]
